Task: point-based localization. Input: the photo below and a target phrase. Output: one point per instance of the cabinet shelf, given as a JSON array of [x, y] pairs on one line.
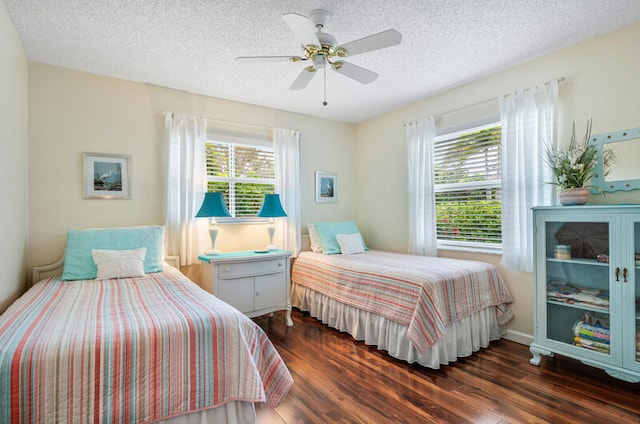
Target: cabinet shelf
[[578, 305], [579, 261]]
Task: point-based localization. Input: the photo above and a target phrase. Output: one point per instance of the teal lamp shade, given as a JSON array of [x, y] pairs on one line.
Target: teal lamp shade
[[213, 206], [271, 207]]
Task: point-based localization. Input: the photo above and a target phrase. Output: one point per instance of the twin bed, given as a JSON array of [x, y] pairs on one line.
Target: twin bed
[[150, 346], [420, 309], [144, 344]]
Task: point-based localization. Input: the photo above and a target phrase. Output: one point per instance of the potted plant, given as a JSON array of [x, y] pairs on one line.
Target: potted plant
[[572, 168]]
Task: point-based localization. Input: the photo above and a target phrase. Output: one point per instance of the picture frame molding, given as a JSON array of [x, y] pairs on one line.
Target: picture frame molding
[[325, 176], [89, 164]]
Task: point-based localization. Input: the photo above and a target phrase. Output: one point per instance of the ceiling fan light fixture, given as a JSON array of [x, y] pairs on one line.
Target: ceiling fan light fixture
[[311, 50], [319, 60], [340, 52]]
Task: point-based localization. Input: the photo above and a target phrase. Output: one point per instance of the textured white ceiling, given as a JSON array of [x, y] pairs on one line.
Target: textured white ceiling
[[191, 45]]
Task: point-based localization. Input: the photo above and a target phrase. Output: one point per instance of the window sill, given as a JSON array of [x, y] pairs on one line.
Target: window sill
[[242, 221], [471, 248]]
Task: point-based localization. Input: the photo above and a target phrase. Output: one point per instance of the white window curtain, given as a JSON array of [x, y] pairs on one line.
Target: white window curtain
[[286, 144], [185, 235], [528, 123], [421, 136]]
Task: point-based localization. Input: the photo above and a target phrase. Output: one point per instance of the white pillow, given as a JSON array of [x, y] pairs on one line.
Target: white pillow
[[350, 243], [119, 263], [314, 239]]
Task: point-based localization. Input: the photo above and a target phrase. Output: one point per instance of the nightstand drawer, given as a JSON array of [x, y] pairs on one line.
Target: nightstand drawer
[[230, 270]]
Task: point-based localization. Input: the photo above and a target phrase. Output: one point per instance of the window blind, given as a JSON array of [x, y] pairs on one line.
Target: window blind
[[467, 179], [244, 173]]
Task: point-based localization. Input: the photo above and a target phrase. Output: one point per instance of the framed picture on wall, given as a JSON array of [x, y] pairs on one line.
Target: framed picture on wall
[[326, 187], [106, 176]]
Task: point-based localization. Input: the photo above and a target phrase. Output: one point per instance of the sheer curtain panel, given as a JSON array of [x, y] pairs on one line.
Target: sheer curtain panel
[[286, 144], [528, 123], [185, 235], [421, 136]]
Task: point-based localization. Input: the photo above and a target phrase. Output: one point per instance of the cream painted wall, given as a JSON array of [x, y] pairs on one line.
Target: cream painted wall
[[13, 162], [73, 112], [602, 82]]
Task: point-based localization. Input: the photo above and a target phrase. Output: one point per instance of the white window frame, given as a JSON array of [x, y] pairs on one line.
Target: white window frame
[[245, 142], [468, 246]]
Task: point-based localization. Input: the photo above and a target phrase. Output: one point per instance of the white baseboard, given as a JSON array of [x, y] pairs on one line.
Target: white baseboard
[[518, 337]]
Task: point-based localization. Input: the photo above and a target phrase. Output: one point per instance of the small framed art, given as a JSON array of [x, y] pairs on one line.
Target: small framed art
[[326, 187], [106, 176]]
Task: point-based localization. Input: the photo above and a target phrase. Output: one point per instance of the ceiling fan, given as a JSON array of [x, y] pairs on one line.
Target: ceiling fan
[[321, 49]]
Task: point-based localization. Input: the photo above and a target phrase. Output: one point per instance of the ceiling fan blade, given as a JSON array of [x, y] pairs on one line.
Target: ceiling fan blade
[[302, 28], [303, 78], [269, 58], [381, 40], [355, 72]]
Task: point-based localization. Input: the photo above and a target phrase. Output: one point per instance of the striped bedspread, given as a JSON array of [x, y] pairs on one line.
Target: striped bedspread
[[130, 350], [423, 293]]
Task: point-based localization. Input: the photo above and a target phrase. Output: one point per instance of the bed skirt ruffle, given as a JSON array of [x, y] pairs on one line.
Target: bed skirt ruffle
[[237, 412], [461, 339]]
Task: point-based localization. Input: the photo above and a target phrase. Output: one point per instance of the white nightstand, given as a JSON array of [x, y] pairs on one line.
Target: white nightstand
[[254, 283]]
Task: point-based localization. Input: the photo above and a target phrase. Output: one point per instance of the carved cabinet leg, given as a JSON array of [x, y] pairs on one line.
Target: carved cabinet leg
[[537, 352]]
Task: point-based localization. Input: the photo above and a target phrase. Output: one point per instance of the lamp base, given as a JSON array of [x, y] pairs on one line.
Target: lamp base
[[271, 229], [213, 233]]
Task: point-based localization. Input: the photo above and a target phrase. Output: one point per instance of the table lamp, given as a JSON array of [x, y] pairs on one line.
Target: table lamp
[[271, 208], [213, 206]]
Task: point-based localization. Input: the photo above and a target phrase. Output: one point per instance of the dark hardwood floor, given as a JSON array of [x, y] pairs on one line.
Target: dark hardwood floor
[[340, 380]]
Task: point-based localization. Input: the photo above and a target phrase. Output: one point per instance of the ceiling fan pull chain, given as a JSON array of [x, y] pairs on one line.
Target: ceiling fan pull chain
[[324, 103]]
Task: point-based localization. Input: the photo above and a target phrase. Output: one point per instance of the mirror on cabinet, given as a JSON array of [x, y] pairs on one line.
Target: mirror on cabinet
[[624, 172]]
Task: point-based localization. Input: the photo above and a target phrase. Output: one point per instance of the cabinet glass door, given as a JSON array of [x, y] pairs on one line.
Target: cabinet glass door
[[578, 284]]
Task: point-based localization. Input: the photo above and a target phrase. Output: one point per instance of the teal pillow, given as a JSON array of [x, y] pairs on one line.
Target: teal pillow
[[327, 234], [78, 261]]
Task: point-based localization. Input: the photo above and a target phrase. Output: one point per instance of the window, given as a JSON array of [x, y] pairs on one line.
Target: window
[[467, 181], [243, 172]]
